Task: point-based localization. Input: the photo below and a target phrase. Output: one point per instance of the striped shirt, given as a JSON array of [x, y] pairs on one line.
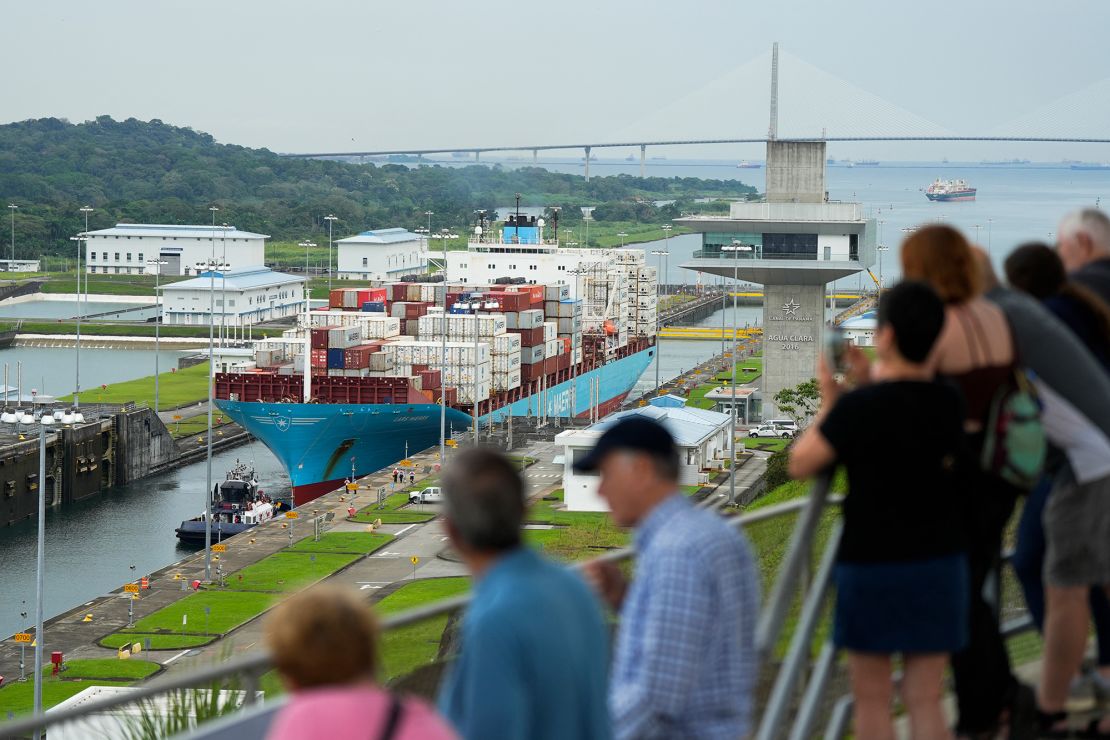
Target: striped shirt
[[685, 659]]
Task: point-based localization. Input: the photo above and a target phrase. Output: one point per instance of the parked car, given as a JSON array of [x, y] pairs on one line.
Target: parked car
[[431, 495], [770, 430], [788, 424]]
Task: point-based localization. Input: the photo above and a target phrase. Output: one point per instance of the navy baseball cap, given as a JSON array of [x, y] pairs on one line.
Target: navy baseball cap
[[633, 433]]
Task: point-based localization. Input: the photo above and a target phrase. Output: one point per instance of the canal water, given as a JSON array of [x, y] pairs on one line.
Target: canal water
[[91, 545], [52, 370], [48, 309]]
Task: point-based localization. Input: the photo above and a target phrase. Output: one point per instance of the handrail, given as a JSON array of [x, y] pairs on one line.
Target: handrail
[[259, 662]]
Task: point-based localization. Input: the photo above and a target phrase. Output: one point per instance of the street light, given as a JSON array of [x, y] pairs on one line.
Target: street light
[[658, 353], [330, 219], [666, 251], [880, 249], [307, 391], [736, 247], [85, 210], [446, 234], [157, 323], [622, 235], [77, 363], [13, 207]]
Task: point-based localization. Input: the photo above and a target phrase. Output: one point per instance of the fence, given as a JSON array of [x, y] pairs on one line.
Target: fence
[[799, 684]]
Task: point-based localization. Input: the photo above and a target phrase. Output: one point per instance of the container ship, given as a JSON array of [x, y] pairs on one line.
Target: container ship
[[950, 190], [359, 383]]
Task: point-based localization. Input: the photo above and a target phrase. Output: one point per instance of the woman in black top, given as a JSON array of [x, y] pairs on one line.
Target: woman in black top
[[901, 577]]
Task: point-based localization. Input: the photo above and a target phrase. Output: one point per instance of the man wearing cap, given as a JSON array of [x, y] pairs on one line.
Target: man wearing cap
[[685, 660]]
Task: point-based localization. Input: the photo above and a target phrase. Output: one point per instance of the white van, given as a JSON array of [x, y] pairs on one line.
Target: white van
[[431, 495]]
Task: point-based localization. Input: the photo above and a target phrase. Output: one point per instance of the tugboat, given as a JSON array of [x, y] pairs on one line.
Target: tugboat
[[237, 505], [950, 190]]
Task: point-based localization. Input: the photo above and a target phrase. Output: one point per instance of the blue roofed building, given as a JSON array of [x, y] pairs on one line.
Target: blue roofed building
[[702, 438], [242, 296], [381, 254]]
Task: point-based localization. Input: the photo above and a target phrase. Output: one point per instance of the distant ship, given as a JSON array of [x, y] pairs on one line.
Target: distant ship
[[746, 165], [630, 158], [950, 190], [1004, 161], [868, 163], [1091, 166]]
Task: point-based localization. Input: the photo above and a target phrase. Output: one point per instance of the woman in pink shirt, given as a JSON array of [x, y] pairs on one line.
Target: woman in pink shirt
[[325, 646]]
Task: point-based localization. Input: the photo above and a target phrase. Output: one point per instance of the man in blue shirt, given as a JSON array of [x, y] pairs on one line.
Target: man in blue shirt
[[685, 659], [533, 660]]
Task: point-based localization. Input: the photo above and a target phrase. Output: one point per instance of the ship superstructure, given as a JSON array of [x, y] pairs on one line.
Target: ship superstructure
[[950, 190]]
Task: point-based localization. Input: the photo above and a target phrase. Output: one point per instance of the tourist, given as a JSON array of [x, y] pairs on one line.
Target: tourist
[[685, 661], [901, 574], [534, 646], [324, 643], [1083, 240], [975, 350], [412, 478]]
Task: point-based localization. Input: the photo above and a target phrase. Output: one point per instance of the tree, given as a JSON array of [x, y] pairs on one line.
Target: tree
[[801, 402]]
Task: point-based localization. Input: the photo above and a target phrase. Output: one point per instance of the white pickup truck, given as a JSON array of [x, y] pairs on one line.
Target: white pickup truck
[[432, 495]]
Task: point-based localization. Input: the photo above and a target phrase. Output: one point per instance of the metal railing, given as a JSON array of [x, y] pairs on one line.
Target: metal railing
[[250, 668]]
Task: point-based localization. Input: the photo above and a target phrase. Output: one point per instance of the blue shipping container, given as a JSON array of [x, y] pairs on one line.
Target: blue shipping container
[[335, 358], [373, 307]]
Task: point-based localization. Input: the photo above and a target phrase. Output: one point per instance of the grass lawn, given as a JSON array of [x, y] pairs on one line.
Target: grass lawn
[[162, 641], [229, 609], [285, 572], [18, 698], [107, 668], [746, 371], [107, 284], [767, 444], [186, 386], [196, 425], [392, 513], [348, 542], [120, 329], [576, 534], [408, 648]]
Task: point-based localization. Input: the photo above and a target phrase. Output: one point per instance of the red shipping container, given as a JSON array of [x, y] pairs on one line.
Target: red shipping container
[[319, 358], [563, 362], [429, 379], [335, 298], [537, 294], [363, 296], [530, 337], [320, 337]]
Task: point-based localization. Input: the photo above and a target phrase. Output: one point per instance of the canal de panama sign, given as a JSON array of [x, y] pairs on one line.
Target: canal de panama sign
[[789, 312]]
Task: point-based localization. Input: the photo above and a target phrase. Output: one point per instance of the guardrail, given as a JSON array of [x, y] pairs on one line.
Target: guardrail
[[783, 706]]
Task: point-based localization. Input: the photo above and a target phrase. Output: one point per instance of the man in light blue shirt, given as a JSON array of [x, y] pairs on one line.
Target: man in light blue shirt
[[534, 655], [685, 659]]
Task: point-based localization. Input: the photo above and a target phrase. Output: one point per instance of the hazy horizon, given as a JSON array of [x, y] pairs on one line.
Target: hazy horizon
[[333, 76]]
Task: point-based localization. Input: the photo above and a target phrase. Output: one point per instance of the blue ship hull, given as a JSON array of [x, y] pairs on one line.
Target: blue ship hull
[[322, 444]]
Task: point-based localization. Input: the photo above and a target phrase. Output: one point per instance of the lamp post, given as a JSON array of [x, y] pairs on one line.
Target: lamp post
[[13, 207], [446, 234], [77, 362], [880, 249], [660, 253], [622, 235], [85, 210], [736, 247], [157, 322], [307, 324], [331, 220], [666, 253]]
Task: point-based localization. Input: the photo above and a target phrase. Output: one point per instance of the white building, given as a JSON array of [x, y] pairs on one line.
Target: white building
[[245, 296], [19, 265], [701, 437], [125, 248], [861, 329], [380, 254]]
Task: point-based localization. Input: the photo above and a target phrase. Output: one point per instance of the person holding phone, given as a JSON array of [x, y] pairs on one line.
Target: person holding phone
[[901, 576]]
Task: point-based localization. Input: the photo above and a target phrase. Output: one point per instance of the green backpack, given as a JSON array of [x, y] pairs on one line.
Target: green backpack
[[1014, 444]]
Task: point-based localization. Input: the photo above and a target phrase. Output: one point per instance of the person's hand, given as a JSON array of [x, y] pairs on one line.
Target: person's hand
[[830, 389], [608, 581], [857, 366]]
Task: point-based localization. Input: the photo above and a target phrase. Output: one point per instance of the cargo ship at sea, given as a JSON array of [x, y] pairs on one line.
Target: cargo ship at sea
[[950, 190], [521, 327]]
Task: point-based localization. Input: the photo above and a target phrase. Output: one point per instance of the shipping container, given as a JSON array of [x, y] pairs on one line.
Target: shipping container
[[335, 298], [344, 337], [506, 381], [550, 330], [552, 348], [530, 337], [320, 337], [556, 292], [506, 342], [507, 361], [336, 358], [532, 355], [569, 326]]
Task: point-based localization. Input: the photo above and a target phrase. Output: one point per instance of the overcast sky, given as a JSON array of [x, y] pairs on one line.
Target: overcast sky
[[349, 75]]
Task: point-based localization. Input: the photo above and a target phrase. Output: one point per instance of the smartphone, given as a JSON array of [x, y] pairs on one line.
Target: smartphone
[[836, 349]]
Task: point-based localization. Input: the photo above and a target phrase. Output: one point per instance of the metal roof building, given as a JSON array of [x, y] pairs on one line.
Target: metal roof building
[[125, 249], [243, 296], [381, 254]]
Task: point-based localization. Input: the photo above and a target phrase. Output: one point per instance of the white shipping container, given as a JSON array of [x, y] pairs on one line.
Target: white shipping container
[[462, 375], [504, 343], [530, 319], [506, 381], [556, 292], [577, 355], [506, 362], [568, 309], [553, 347], [466, 392], [431, 353], [380, 361], [379, 326], [532, 355], [344, 337], [550, 330], [569, 326]]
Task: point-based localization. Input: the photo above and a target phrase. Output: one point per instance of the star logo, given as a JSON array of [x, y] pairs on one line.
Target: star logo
[[282, 423], [790, 308]]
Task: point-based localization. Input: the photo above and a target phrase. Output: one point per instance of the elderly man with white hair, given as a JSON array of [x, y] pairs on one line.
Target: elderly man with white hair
[[1083, 243]]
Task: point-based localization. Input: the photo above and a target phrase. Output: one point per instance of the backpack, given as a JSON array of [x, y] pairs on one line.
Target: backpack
[[1014, 444]]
